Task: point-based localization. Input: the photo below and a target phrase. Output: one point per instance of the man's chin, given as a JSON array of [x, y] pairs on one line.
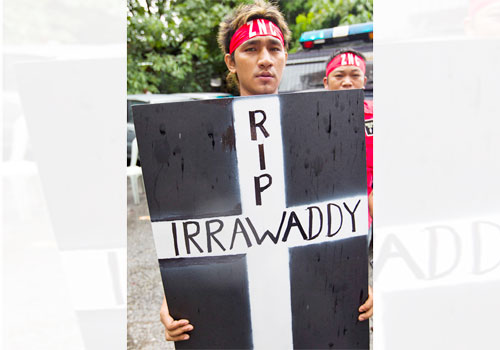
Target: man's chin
[[267, 89]]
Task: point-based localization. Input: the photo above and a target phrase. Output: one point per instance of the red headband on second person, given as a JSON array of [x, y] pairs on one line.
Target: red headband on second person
[[256, 27], [346, 59]]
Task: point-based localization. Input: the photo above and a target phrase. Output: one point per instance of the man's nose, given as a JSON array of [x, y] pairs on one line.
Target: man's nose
[[265, 59], [347, 82]]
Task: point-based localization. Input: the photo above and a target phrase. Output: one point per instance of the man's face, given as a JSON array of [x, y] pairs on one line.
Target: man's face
[[259, 64], [345, 77]]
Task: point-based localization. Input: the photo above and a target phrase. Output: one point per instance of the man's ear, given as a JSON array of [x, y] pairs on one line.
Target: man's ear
[[364, 84], [325, 82], [231, 65]]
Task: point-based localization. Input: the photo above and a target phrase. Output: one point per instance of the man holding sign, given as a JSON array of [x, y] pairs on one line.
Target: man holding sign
[[346, 70], [254, 39]]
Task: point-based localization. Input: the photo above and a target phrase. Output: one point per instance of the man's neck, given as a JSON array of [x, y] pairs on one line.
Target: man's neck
[[245, 93]]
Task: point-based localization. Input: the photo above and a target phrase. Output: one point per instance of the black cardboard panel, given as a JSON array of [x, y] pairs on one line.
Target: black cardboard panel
[[319, 143], [328, 283], [213, 294], [188, 156]]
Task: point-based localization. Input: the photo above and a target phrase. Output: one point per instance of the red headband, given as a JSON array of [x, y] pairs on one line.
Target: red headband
[[346, 59], [256, 27]]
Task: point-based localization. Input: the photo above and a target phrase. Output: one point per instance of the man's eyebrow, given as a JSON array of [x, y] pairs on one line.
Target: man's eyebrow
[[274, 41], [251, 42], [257, 40], [345, 70]]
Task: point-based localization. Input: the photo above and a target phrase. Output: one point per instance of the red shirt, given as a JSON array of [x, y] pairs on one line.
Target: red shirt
[[369, 148], [369, 144]]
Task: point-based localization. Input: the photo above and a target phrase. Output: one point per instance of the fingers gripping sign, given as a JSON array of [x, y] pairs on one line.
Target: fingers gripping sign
[[366, 310], [175, 330]]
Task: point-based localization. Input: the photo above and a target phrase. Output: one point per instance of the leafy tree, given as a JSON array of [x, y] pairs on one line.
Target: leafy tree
[[172, 45], [316, 14]]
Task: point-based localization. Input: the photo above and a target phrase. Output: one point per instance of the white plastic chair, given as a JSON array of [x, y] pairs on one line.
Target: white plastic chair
[[134, 172]]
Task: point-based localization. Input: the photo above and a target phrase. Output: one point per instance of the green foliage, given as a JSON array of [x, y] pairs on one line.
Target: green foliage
[[172, 44], [317, 14]]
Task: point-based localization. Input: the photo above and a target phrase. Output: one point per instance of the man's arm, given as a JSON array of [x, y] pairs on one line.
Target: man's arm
[[175, 330]]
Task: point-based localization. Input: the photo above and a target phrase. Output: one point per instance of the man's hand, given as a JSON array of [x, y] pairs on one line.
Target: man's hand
[[175, 330], [366, 310]]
